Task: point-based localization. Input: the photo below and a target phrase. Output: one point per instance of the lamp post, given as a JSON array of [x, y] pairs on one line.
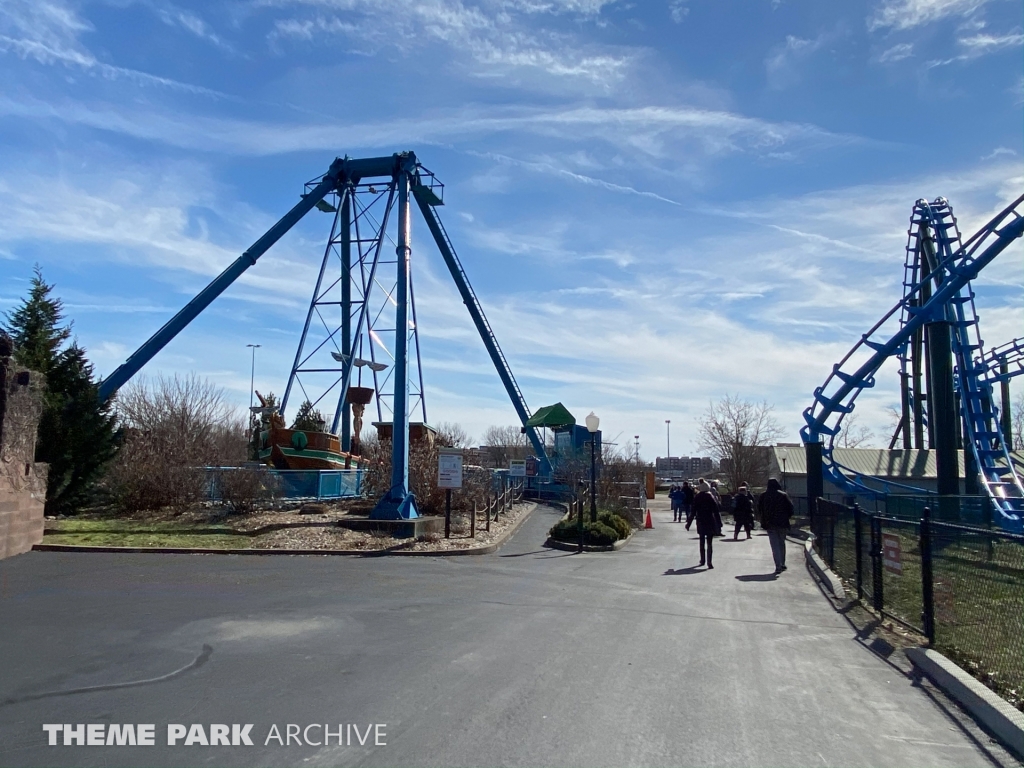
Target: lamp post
[[636, 440], [784, 472], [668, 441], [592, 424], [252, 373]]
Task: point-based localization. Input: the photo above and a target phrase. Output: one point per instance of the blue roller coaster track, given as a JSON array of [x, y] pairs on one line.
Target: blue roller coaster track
[[937, 290]]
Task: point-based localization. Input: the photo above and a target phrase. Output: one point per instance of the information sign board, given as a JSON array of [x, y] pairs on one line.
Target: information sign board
[[517, 468], [449, 468]]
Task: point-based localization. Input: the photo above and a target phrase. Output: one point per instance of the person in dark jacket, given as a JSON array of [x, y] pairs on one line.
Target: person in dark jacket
[[688, 496], [675, 495], [775, 510], [742, 512], [709, 520]]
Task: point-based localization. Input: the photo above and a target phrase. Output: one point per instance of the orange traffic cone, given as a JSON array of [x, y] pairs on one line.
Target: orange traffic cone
[[648, 523]]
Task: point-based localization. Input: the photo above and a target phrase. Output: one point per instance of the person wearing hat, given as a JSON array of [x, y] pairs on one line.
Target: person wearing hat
[[707, 513], [775, 508]]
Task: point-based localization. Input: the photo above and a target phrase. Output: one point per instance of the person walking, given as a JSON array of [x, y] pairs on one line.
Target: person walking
[[775, 509], [675, 495], [708, 515], [742, 512], [688, 494]]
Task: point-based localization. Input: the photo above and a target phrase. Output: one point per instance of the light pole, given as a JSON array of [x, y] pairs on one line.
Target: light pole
[[593, 422], [784, 472], [668, 440], [252, 373], [636, 440]]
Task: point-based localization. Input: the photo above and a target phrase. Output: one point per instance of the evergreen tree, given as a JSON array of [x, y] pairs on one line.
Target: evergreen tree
[[309, 419], [76, 431], [35, 327]]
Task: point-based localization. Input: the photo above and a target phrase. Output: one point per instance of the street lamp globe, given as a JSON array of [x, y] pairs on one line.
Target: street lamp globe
[[593, 422]]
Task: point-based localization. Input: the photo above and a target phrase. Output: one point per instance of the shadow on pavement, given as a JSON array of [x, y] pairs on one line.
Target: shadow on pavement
[[758, 577], [684, 571]]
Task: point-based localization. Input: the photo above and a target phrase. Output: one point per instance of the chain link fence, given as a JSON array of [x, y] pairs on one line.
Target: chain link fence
[[961, 586]]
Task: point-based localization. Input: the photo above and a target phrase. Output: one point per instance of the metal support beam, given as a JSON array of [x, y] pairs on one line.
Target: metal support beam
[[346, 319], [944, 413], [815, 475], [190, 311], [1005, 414], [398, 502]]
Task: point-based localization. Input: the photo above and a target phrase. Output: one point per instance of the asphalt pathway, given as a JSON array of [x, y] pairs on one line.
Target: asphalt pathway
[[525, 657]]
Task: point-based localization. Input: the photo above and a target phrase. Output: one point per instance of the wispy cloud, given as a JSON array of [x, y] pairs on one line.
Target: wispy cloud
[[906, 14], [496, 39], [49, 32], [783, 63], [898, 52], [649, 133]]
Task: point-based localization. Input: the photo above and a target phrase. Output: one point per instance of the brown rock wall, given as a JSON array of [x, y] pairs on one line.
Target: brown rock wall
[[22, 480]]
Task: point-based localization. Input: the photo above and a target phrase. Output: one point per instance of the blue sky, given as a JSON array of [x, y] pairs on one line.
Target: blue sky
[[657, 202]]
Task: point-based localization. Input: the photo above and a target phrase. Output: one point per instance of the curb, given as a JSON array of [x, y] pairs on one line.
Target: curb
[[389, 551], [565, 546], [1002, 720], [824, 573]]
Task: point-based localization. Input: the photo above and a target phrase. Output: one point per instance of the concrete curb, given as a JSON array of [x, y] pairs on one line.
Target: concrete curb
[[1002, 720], [824, 573], [390, 551], [565, 546]]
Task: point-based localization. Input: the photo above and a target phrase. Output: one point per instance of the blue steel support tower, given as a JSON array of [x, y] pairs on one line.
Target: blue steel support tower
[[347, 318]]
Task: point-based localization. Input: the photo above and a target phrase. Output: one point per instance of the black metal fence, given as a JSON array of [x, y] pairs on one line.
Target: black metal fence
[[960, 586]]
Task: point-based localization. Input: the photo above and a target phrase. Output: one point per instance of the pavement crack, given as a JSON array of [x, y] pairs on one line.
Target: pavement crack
[[197, 662]]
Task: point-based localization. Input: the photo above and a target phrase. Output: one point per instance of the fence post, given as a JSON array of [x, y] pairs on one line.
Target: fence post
[[487, 526], [858, 543], [472, 523], [927, 595], [878, 599]]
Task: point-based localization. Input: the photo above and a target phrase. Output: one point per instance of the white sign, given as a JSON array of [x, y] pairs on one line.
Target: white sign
[[891, 554], [517, 468], [449, 468]]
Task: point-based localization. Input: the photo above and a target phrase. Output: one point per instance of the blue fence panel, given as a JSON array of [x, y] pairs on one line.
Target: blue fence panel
[[299, 483]]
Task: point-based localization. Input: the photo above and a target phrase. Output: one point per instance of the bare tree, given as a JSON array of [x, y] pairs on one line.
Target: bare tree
[[852, 434], [173, 428], [452, 435], [738, 432], [506, 443]]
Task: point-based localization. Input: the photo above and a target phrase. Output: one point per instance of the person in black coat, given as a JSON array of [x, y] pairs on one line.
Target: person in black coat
[[688, 496], [742, 512], [776, 509], [708, 515]]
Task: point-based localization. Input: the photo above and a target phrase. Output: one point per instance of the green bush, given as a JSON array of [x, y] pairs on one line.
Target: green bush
[[616, 522], [599, 533]]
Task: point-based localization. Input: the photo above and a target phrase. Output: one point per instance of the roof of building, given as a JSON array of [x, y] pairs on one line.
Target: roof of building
[[878, 462], [552, 416]]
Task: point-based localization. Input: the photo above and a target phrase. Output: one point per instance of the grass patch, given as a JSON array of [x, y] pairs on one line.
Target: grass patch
[[138, 533]]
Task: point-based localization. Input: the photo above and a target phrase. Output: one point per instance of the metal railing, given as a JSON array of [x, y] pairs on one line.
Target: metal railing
[[316, 484], [960, 586]]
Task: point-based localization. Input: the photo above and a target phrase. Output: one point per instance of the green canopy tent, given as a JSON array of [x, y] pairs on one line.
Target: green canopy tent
[[552, 417]]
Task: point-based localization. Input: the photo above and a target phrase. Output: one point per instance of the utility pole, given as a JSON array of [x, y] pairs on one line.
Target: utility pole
[[668, 439]]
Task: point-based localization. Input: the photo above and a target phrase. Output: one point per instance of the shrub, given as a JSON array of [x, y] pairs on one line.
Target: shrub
[[243, 490], [600, 534], [597, 533], [619, 524]]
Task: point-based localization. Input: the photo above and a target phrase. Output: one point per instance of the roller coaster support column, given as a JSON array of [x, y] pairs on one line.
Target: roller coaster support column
[[398, 503], [1005, 416], [943, 408], [815, 477]]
